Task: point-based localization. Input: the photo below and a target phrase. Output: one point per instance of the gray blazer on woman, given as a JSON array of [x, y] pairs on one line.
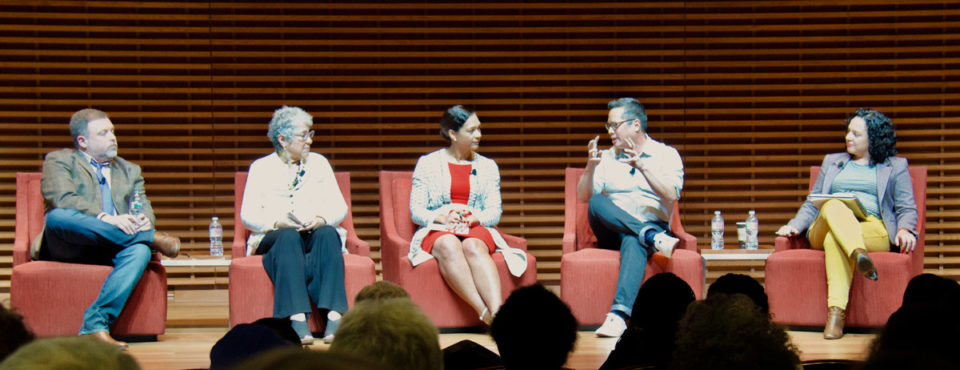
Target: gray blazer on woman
[[894, 190]]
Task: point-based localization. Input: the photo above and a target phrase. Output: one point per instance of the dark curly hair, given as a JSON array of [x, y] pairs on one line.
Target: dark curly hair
[[728, 331], [741, 284], [883, 139]]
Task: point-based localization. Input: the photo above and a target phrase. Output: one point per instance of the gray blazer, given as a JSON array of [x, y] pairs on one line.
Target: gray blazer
[[70, 182], [894, 190]]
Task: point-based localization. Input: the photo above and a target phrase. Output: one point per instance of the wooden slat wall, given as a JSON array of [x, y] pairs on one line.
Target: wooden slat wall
[[750, 92]]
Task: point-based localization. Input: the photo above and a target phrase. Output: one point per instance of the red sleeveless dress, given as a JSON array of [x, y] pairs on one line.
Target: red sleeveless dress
[[460, 194]]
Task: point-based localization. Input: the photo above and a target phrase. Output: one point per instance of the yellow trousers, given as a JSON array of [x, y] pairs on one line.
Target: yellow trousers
[[838, 233]]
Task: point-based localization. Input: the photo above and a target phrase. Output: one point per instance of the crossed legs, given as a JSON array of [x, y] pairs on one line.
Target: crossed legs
[[469, 270], [71, 236], [838, 233], [844, 240]]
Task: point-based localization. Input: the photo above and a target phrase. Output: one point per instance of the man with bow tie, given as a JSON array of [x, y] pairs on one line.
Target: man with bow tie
[[87, 193]]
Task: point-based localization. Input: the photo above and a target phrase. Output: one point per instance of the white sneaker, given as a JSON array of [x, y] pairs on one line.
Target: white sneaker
[[665, 243], [612, 327]]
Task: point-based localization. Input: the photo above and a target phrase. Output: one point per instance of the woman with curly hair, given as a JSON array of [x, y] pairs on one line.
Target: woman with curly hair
[[881, 183]]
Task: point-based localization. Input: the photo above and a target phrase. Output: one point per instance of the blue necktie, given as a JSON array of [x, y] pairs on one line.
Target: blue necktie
[[106, 197]]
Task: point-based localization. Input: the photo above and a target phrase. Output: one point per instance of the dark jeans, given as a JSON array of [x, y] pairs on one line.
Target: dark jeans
[[618, 230], [71, 236], [304, 266]]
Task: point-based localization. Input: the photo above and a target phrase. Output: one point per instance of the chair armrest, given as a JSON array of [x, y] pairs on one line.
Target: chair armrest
[[569, 242], [782, 243], [393, 253], [239, 248], [21, 248], [357, 246], [687, 241]]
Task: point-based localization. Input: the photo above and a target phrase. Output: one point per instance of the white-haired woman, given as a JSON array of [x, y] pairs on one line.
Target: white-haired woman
[[293, 207]]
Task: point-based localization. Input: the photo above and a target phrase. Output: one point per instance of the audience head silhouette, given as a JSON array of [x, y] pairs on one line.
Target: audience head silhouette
[[728, 331], [13, 332], [246, 340], [381, 290], [741, 284], [649, 339], [921, 334], [392, 331], [295, 358], [69, 353], [534, 329]]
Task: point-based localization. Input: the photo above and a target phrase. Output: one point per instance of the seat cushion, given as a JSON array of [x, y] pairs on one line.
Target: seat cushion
[[251, 291], [588, 278], [796, 286], [428, 289], [52, 296]]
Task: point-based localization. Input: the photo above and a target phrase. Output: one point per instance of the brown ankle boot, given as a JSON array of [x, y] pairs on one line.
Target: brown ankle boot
[[864, 263], [834, 327]]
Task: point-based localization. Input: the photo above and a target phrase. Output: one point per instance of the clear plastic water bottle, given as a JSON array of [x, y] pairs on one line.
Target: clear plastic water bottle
[[716, 231], [216, 237], [752, 228], [136, 204]]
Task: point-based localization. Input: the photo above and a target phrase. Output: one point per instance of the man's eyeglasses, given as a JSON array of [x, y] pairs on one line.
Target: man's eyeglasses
[[613, 125]]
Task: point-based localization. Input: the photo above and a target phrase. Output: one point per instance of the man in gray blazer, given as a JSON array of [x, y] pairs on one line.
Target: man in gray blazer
[[87, 193]]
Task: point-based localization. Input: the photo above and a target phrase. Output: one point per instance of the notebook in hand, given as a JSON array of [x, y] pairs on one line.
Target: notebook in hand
[[847, 198]]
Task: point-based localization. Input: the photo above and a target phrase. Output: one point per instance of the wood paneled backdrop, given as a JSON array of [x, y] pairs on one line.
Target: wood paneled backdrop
[[750, 92]]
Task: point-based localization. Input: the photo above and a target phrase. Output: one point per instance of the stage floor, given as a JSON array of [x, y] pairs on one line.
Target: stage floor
[[189, 348]]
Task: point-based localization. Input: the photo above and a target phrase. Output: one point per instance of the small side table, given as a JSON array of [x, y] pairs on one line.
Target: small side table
[[733, 259], [197, 271]]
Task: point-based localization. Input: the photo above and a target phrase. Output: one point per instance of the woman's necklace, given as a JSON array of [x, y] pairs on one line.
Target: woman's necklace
[[298, 177]]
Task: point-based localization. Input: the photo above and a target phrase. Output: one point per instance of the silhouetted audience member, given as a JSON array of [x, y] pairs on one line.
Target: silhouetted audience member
[[922, 334], [13, 332], [649, 340], [930, 288], [742, 284], [293, 358], [392, 331], [728, 331], [246, 340], [534, 329], [80, 353], [469, 355], [381, 290]]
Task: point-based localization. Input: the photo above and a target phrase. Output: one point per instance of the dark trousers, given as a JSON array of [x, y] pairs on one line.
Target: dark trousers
[[304, 266], [618, 230]]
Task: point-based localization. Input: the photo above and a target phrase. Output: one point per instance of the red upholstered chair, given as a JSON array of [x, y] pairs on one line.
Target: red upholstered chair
[[52, 296], [588, 275], [250, 288], [423, 282], [796, 279]]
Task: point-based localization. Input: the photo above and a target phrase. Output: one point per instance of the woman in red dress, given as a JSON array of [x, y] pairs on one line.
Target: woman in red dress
[[456, 200]]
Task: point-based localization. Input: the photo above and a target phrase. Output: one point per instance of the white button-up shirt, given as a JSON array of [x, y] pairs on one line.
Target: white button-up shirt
[[629, 189]]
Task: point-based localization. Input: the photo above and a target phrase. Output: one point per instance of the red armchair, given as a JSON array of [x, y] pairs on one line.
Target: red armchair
[[588, 275], [52, 296], [424, 282], [250, 288], [796, 279]]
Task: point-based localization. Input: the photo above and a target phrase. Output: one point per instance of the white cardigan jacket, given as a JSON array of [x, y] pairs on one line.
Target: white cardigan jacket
[[430, 197]]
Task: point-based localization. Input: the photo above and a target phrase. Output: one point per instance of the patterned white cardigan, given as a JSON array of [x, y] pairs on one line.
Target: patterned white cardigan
[[430, 198]]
